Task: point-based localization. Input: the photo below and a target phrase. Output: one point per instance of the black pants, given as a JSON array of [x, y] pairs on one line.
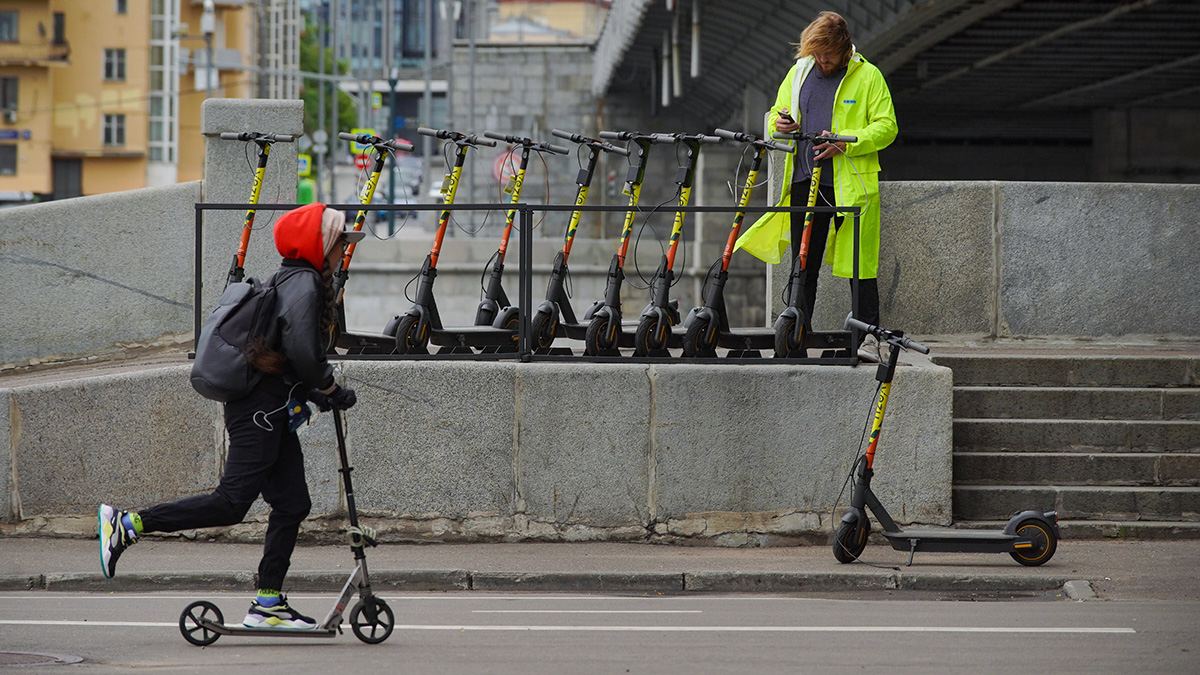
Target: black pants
[[259, 462], [868, 289]]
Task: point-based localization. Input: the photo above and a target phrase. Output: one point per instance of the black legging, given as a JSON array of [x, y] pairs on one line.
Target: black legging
[[258, 462], [868, 289]]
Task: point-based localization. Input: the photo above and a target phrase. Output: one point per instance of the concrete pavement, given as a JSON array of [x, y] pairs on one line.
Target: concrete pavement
[[1113, 569]]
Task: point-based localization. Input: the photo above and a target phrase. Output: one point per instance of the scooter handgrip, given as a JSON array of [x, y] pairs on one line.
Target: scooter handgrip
[[710, 139], [614, 135], [566, 134], [662, 138], [853, 323], [726, 134], [785, 147], [615, 149], [914, 345], [834, 138], [483, 141], [783, 135], [233, 136], [499, 137], [559, 149], [282, 138], [399, 145], [426, 131], [347, 136]]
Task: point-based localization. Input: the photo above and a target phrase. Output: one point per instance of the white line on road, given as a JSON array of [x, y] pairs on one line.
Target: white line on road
[[663, 629], [587, 611]]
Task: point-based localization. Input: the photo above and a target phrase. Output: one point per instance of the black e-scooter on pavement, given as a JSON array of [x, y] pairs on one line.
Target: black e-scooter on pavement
[[372, 621], [1030, 537]]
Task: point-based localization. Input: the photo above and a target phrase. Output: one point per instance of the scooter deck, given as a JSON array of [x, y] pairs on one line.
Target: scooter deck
[[366, 343], [473, 336], [223, 629], [954, 541]]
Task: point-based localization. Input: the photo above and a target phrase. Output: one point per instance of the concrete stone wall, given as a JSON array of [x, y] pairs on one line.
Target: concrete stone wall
[[456, 451]]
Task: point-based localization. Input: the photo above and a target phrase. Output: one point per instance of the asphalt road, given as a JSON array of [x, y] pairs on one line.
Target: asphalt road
[[528, 633]]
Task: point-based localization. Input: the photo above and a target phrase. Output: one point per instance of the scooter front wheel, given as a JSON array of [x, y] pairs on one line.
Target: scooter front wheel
[[645, 340], [372, 620], [195, 632], [597, 337], [543, 327], [407, 339], [849, 540], [788, 342], [1044, 543], [696, 341]]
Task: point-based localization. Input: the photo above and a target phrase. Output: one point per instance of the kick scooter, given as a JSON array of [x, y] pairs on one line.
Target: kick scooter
[[237, 270], [340, 337], [1030, 537], [604, 333], [555, 317], [495, 308], [421, 324], [202, 623], [790, 326], [654, 327], [708, 325]]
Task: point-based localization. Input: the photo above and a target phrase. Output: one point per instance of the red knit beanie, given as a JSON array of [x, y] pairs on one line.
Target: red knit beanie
[[298, 235]]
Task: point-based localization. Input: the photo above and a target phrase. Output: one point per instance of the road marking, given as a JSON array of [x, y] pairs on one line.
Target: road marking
[[587, 611], [660, 629]]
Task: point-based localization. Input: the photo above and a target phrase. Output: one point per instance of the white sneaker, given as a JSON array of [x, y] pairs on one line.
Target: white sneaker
[[872, 350]]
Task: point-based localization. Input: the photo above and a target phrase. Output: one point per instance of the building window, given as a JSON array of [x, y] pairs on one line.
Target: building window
[[122, 6], [8, 26], [114, 65], [114, 130], [8, 160], [8, 93]]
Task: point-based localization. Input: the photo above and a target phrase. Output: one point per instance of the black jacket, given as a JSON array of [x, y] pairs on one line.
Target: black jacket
[[300, 298]]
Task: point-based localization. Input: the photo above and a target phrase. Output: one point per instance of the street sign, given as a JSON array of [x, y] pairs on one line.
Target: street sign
[[504, 168], [320, 148], [361, 161], [304, 164], [354, 146], [304, 143], [320, 137], [376, 101]]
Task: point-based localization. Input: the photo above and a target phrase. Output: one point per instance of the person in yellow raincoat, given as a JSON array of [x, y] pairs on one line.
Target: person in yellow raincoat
[[831, 88]]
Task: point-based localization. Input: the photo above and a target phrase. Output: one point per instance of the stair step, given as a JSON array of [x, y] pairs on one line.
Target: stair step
[[1104, 369], [1111, 403], [997, 502], [1076, 468], [1107, 529], [1040, 435]]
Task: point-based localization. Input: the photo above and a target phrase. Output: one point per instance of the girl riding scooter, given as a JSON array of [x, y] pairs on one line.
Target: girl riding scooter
[[264, 454]]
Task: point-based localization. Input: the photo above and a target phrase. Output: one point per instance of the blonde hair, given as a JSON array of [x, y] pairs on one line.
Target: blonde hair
[[827, 34]]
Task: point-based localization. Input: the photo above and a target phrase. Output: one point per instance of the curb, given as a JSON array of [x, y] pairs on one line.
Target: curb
[[622, 582]]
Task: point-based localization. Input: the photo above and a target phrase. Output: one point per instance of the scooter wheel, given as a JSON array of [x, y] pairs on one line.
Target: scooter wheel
[[1044, 543], [849, 540], [644, 340], [543, 327], [195, 632], [696, 341], [787, 341], [596, 338], [372, 620], [512, 323], [407, 340]]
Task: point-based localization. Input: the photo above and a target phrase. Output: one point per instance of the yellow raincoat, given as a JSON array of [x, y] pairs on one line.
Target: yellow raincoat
[[862, 108]]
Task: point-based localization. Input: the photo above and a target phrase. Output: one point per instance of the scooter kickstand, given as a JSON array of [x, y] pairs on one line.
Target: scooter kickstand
[[912, 550]]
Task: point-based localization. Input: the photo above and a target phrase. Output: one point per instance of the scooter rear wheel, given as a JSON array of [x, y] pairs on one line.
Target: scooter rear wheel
[[191, 628], [372, 620], [696, 341], [1044, 543], [849, 540]]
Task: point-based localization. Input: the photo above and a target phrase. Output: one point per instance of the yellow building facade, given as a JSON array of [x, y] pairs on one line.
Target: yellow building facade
[[102, 95]]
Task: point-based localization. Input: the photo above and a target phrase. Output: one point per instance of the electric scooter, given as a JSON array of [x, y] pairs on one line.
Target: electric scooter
[[341, 337], [555, 317], [604, 334], [1030, 537], [495, 308], [654, 327], [708, 325], [792, 322], [237, 271], [371, 619], [421, 324]]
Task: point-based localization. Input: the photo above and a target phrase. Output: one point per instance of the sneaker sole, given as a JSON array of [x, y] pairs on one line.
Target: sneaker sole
[[106, 531], [278, 626]]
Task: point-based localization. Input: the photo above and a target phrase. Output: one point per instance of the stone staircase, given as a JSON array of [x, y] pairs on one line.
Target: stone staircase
[[1109, 439]]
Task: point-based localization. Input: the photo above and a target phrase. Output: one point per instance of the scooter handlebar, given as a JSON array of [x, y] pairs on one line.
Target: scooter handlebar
[[255, 136], [815, 138], [747, 138], [584, 140], [507, 138], [556, 148], [885, 335]]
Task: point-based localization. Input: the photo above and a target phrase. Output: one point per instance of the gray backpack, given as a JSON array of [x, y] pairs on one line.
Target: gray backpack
[[245, 311]]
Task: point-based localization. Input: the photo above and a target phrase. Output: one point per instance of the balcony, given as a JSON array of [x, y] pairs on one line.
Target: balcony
[[34, 53]]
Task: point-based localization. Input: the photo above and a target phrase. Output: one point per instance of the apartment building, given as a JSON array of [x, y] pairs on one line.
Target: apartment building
[[104, 95]]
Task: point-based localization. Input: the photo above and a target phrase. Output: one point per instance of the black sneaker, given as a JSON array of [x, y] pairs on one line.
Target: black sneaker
[[277, 616], [114, 538]]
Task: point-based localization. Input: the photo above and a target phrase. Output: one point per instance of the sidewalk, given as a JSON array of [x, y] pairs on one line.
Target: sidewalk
[[1115, 569]]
